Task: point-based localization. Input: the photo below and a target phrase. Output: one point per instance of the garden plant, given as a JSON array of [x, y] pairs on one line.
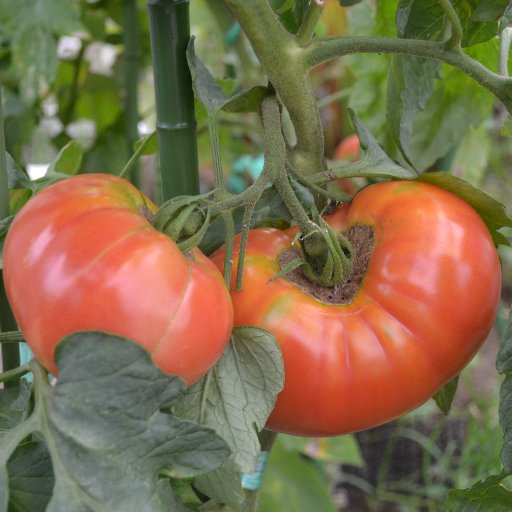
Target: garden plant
[[181, 333]]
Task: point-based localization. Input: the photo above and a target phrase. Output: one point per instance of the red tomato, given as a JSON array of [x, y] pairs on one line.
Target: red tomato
[[426, 304], [348, 148], [81, 255]]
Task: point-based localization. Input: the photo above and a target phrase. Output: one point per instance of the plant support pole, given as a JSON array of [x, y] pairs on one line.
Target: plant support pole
[[10, 351], [170, 34], [131, 79]]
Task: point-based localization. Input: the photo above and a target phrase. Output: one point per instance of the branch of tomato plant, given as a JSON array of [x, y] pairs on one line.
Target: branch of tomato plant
[[309, 23], [282, 59], [324, 49], [131, 78], [11, 351], [505, 40]]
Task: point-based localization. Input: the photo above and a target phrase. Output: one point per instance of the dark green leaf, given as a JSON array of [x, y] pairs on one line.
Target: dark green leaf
[[9, 416], [410, 84], [106, 434], [492, 212], [235, 399], [489, 10], [206, 88], [485, 496], [417, 20], [504, 359], [246, 101], [348, 3], [444, 397], [68, 160], [31, 478], [505, 413]]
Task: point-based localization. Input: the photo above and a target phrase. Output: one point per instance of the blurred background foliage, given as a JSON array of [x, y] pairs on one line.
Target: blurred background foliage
[[66, 74]]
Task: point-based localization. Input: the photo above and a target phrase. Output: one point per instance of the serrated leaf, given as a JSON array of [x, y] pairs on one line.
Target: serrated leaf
[[444, 397], [410, 84], [68, 160], [235, 399], [492, 212], [505, 414], [106, 434], [485, 496]]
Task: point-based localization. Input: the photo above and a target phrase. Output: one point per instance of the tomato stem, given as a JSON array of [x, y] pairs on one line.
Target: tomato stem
[[309, 23], [267, 439]]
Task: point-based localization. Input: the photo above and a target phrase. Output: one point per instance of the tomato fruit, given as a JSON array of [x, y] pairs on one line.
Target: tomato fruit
[[425, 305], [82, 255]]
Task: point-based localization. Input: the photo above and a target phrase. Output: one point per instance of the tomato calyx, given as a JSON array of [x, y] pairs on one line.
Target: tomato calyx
[[362, 240], [184, 220]]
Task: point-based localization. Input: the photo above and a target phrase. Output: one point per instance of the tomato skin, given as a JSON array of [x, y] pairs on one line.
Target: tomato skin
[[425, 306], [82, 256]]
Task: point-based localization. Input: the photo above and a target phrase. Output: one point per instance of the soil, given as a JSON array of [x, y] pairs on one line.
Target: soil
[[362, 239]]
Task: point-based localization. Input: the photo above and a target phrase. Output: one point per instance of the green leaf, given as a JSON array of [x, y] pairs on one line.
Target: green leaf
[[504, 359], [292, 483], [348, 3], [410, 84], [492, 212], [16, 178], [31, 478], [212, 95], [485, 496], [150, 143], [444, 397], [235, 399], [68, 160], [375, 162], [105, 432], [504, 365], [341, 449], [417, 20], [246, 101]]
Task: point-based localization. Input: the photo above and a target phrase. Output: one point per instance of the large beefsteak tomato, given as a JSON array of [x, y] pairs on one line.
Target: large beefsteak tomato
[[82, 255], [425, 305]]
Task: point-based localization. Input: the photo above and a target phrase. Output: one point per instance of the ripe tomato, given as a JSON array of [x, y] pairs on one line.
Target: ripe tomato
[[348, 148], [82, 255], [425, 305]]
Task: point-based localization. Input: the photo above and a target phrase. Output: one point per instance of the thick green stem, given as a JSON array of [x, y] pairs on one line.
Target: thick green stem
[[283, 62], [324, 49], [10, 351], [170, 34], [131, 78]]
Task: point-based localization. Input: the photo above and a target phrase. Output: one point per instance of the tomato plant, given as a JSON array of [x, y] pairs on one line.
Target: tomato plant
[[82, 255], [424, 307]]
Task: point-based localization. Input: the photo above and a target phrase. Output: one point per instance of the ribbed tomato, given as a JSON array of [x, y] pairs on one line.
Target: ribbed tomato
[[82, 255], [425, 305]]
